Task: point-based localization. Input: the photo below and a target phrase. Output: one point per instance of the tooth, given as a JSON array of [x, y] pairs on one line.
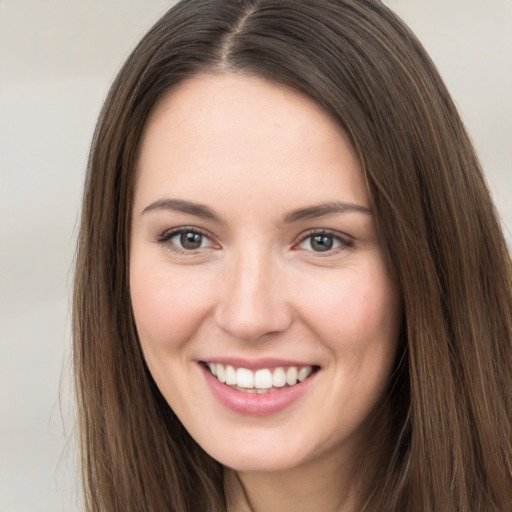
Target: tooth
[[291, 376], [304, 373], [263, 379], [278, 378], [262, 391], [246, 390], [244, 378], [230, 376], [213, 368], [221, 373]]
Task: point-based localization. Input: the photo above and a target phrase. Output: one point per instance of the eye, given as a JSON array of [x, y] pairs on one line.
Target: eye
[[323, 242], [189, 240], [185, 240]]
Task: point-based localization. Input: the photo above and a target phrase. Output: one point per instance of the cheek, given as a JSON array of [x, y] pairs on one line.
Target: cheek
[[356, 311], [168, 306]]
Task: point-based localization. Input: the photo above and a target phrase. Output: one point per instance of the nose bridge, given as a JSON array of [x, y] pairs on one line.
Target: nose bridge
[[252, 303]]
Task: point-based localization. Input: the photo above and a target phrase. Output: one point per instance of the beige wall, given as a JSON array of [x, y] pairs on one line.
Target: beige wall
[[56, 62]]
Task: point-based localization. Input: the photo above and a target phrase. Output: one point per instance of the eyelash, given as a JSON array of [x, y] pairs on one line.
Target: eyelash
[[167, 236], [344, 242]]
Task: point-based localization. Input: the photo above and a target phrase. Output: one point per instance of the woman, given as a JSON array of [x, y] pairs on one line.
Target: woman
[[292, 291]]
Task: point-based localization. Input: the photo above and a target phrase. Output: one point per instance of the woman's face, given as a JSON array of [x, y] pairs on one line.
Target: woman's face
[[255, 257]]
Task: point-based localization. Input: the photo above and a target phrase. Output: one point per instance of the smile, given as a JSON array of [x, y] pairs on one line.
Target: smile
[[258, 388], [264, 380]]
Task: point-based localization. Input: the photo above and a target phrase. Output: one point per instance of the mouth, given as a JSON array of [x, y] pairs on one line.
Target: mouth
[[262, 380]]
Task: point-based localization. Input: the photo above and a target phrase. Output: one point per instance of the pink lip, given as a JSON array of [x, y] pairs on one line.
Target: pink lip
[[254, 404]]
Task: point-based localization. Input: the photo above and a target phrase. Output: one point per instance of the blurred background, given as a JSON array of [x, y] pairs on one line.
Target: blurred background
[[57, 59]]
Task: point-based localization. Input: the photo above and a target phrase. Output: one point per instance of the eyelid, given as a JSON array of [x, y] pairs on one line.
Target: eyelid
[[346, 241], [168, 234]]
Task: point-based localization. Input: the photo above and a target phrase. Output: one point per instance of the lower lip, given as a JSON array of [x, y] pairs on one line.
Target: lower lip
[[256, 404]]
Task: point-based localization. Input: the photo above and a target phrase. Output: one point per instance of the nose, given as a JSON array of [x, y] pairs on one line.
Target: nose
[[253, 303]]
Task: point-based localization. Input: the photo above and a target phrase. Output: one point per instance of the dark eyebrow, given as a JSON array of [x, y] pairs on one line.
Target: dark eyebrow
[[324, 209], [179, 205]]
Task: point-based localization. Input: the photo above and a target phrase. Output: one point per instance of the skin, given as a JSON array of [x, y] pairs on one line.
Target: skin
[[252, 152]]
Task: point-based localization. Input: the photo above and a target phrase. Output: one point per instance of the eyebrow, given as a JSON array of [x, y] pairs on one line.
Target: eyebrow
[[309, 212], [179, 205], [324, 209]]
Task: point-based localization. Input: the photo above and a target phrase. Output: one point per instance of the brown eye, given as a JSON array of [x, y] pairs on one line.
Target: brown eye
[[185, 240], [190, 240]]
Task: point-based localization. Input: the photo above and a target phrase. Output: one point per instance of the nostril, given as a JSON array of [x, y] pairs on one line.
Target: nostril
[[252, 324]]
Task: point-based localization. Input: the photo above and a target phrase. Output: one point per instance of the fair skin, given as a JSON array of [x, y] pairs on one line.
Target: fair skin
[[253, 246]]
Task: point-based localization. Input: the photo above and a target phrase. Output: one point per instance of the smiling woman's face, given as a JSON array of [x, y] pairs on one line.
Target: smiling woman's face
[[255, 257]]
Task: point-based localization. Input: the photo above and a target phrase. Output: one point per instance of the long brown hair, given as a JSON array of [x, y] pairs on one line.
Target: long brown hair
[[448, 441]]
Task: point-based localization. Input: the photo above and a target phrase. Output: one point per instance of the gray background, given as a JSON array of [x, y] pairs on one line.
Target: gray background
[[57, 59]]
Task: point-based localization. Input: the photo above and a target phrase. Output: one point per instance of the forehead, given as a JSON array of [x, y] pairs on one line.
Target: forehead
[[237, 132]]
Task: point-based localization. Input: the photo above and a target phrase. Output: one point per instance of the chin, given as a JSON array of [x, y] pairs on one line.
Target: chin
[[264, 456]]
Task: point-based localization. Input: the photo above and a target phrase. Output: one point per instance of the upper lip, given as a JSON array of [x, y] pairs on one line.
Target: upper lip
[[256, 364]]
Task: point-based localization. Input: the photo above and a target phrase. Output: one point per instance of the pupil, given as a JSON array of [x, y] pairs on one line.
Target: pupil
[[191, 240], [321, 243]]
